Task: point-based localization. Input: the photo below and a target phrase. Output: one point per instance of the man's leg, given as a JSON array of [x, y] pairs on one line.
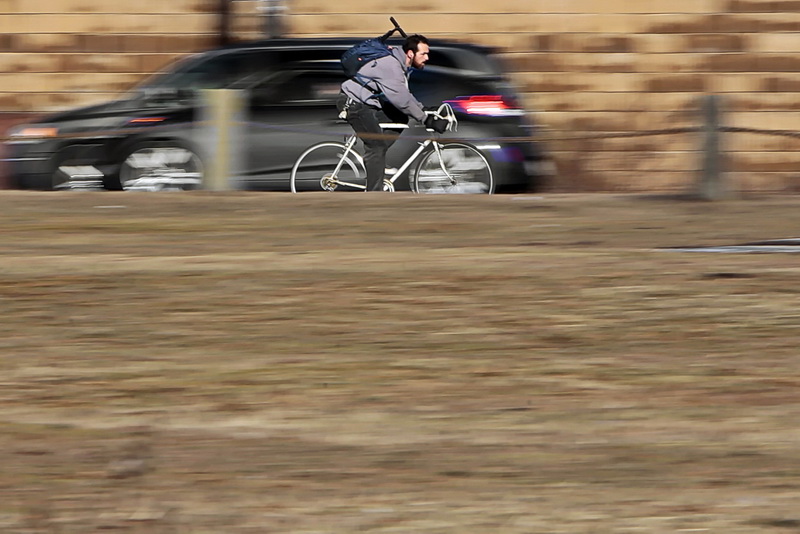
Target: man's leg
[[365, 120]]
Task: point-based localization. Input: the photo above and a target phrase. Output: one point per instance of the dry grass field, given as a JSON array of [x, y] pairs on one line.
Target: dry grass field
[[226, 363]]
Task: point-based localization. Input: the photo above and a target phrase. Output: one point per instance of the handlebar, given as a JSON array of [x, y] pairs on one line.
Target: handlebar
[[445, 111]]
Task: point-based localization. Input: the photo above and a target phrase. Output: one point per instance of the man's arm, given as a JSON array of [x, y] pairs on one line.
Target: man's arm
[[390, 76]]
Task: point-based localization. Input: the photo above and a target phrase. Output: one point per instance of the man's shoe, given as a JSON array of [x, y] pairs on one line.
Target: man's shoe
[[385, 186]]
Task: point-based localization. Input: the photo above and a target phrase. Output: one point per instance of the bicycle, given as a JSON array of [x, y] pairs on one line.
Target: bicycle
[[445, 167]]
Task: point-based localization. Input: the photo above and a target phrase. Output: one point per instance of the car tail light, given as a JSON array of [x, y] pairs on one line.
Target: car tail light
[[488, 105]]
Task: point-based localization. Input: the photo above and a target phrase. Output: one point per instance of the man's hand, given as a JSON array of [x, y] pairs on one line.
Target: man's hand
[[438, 125]]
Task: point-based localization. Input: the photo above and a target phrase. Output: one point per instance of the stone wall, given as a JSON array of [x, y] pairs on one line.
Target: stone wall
[[584, 67]]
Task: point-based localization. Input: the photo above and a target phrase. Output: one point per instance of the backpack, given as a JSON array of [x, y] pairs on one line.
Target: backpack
[[362, 53]]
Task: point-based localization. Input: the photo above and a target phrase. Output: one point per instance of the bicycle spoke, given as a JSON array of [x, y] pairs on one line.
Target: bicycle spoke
[[316, 170], [454, 168]]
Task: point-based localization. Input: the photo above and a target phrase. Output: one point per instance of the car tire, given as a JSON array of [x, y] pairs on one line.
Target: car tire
[[67, 171], [158, 166]]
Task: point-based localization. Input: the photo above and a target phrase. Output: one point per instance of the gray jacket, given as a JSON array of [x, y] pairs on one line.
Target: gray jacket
[[389, 76]]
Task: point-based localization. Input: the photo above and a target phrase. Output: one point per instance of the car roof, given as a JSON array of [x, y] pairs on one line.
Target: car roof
[[465, 57], [339, 43]]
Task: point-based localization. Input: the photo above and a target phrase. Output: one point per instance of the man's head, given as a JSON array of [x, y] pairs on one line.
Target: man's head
[[417, 50]]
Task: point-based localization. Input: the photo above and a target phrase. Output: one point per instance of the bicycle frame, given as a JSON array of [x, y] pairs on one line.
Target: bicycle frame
[[348, 148], [351, 141], [445, 111]]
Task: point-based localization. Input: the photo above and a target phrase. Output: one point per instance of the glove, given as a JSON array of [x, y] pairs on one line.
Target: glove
[[438, 125]]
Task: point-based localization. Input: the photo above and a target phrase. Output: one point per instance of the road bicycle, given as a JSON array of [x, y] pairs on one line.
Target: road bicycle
[[443, 166]]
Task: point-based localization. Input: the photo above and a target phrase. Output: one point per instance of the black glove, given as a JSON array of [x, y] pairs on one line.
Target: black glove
[[438, 125]]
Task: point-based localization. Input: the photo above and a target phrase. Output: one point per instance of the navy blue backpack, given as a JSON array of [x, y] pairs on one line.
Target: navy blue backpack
[[365, 51]]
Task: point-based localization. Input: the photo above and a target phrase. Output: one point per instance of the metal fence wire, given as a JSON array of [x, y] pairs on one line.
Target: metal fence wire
[[710, 128]]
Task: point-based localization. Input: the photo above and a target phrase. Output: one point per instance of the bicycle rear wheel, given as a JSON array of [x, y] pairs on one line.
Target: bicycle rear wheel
[[314, 169], [468, 169]]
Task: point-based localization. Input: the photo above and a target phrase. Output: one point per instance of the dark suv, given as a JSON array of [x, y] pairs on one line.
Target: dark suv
[[150, 139]]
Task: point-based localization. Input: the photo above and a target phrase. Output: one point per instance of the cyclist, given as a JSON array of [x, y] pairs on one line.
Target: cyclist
[[381, 94]]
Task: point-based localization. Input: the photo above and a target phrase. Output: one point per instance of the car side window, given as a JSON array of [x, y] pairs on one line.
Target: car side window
[[432, 86], [299, 88]]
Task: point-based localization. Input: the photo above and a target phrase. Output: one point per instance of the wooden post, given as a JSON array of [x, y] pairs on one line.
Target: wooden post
[[711, 185], [221, 136]]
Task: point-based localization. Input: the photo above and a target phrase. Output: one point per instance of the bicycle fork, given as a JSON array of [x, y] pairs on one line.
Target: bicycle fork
[[438, 148], [422, 146]]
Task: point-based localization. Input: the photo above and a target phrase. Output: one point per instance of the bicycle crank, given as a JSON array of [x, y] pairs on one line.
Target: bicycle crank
[[328, 183]]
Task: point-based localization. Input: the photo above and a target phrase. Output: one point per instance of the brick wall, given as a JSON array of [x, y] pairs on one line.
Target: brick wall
[[583, 66]]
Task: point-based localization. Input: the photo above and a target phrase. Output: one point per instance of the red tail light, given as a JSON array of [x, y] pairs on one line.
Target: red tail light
[[489, 105]]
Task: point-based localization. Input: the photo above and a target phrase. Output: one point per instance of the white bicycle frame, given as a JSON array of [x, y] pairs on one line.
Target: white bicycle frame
[[444, 112]]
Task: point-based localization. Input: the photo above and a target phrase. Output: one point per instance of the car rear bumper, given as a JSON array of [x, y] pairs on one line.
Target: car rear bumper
[[515, 166]]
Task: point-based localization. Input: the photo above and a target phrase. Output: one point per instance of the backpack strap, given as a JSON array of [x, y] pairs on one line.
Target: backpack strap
[[363, 82]]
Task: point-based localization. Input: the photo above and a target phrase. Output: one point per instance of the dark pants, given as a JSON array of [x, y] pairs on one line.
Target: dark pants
[[365, 121]]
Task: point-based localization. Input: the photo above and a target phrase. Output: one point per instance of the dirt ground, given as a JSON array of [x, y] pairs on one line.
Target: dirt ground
[[229, 363]]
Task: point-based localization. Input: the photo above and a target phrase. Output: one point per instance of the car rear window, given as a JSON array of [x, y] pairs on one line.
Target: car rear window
[[433, 85], [468, 61]]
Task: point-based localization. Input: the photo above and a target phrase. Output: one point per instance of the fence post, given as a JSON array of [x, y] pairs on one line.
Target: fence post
[[711, 185], [221, 137]]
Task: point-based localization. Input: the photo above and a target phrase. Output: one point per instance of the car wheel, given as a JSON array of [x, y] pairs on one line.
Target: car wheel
[[160, 166], [70, 173], [77, 178]]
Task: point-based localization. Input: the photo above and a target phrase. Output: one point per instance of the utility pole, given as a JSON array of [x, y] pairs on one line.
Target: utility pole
[[273, 12], [224, 30]]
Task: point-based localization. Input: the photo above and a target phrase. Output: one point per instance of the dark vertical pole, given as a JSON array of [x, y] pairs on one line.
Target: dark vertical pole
[[273, 18], [224, 22], [711, 186]]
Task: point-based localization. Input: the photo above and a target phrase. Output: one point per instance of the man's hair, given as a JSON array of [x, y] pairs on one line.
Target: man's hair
[[413, 41]]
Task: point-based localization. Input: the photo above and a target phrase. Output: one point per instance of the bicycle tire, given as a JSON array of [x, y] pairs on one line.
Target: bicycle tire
[[313, 169], [464, 162]]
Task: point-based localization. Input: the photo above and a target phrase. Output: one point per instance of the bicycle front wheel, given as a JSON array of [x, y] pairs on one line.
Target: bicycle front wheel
[[461, 168], [324, 167]]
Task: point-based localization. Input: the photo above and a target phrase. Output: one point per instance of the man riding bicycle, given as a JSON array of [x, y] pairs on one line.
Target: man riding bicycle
[[379, 94]]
